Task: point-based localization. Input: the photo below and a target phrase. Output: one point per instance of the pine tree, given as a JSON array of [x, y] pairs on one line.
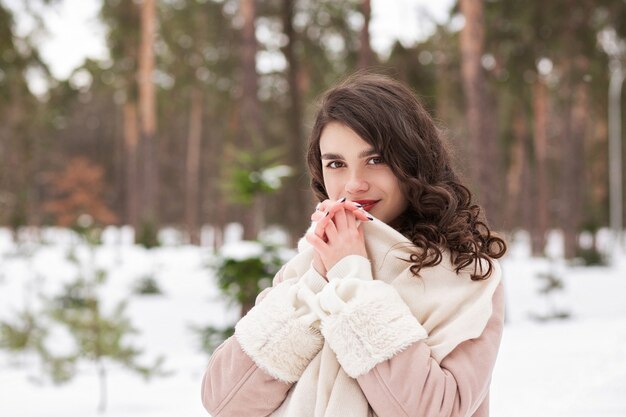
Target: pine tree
[[22, 334]]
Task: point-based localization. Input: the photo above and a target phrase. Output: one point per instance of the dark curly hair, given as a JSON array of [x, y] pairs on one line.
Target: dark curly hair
[[441, 214]]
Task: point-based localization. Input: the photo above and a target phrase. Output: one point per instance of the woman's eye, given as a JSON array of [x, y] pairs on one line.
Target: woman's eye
[[335, 164], [376, 160]]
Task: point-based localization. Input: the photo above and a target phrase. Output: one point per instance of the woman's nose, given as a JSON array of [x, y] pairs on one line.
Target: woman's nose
[[356, 184]]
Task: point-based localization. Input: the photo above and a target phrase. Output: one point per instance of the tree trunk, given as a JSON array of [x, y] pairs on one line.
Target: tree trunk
[[250, 111], [102, 379], [118, 175], [516, 169], [471, 40], [297, 186], [215, 205], [12, 177], [192, 190], [482, 134], [576, 94], [250, 133], [598, 171], [540, 136], [366, 55], [147, 113], [572, 174], [131, 141]]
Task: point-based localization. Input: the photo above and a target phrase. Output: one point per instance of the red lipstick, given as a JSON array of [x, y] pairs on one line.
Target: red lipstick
[[367, 204]]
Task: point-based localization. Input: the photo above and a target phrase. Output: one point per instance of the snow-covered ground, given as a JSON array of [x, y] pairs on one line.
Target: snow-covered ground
[[563, 368]]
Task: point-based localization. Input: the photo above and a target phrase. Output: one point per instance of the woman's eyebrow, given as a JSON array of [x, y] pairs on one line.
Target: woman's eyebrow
[[332, 156], [368, 152], [362, 154]]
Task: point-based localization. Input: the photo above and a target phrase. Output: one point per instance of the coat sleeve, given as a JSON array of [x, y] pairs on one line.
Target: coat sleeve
[[251, 372], [234, 385], [364, 321], [413, 384]]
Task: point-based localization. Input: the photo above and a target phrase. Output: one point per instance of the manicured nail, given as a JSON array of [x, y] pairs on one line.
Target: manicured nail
[[342, 199], [327, 213], [370, 217], [357, 205]]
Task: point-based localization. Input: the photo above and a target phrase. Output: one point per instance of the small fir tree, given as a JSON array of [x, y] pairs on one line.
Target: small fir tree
[[100, 337], [147, 285], [241, 279], [23, 334], [254, 176], [148, 235], [552, 284]]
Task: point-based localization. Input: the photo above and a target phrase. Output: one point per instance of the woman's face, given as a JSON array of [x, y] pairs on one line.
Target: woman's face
[[353, 169]]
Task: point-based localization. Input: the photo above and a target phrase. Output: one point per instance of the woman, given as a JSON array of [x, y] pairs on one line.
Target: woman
[[393, 305]]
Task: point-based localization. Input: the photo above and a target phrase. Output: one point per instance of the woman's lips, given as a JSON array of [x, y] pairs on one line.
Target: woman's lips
[[367, 204]]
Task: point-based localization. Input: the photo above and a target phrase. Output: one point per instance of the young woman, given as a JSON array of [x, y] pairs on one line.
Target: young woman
[[393, 305]]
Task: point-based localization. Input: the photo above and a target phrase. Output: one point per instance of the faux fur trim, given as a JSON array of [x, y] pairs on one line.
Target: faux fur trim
[[372, 327], [278, 340]]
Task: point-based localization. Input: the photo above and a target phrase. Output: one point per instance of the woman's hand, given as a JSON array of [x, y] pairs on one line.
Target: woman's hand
[[324, 214], [337, 237]]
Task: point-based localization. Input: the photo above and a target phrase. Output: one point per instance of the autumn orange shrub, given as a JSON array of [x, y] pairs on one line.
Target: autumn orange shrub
[[77, 191]]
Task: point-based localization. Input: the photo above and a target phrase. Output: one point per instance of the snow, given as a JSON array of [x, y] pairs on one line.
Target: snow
[[560, 368], [274, 176], [240, 251]]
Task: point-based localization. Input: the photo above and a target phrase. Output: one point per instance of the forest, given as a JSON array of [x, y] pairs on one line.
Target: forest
[[121, 185], [200, 115]]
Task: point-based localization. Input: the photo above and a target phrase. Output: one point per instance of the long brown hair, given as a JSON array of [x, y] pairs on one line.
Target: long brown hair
[[441, 213]]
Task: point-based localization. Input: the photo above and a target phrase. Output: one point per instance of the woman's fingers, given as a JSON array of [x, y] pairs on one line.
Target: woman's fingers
[[331, 207], [335, 207], [351, 220], [326, 206], [358, 211], [361, 234], [320, 227], [331, 230], [362, 215], [340, 220], [316, 241], [347, 219], [317, 215]]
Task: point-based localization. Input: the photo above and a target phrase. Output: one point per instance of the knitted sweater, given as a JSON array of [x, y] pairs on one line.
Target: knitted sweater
[[320, 342]]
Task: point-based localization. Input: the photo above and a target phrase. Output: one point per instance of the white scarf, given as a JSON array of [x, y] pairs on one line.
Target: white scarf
[[451, 307]]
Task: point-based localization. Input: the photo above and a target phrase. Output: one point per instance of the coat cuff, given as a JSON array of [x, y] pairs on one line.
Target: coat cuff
[[277, 334], [313, 280], [368, 323], [352, 266]]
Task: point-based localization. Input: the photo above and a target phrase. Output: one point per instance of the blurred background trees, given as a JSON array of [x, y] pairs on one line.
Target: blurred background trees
[[521, 91]]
